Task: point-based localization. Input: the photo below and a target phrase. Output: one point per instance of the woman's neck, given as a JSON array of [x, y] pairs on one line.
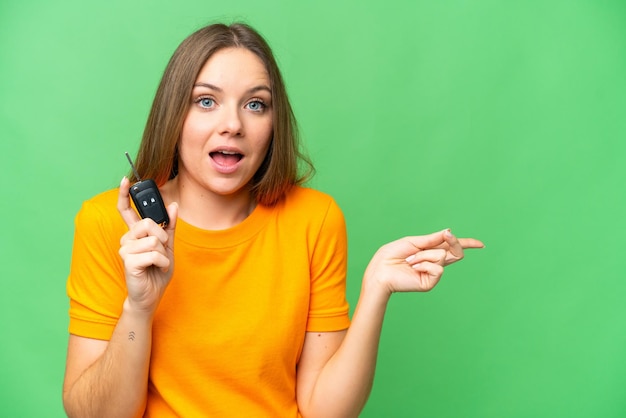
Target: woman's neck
[[207, 210]]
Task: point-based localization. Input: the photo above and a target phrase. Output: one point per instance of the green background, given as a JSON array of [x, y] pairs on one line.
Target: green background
[[503, 120]]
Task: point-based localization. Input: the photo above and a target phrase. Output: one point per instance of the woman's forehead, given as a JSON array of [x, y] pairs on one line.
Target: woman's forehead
[[233, 66]]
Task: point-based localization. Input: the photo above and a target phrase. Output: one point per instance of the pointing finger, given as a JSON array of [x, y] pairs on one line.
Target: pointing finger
[[471, 243]]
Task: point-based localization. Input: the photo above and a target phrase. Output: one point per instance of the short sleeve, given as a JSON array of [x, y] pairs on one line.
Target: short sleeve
[[329, 310], [96, 285]]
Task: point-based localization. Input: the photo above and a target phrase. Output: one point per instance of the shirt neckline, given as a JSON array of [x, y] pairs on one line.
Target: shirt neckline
[[224, 238]]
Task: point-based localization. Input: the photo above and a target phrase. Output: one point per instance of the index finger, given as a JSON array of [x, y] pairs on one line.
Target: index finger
[[471, 243], [123, 204]]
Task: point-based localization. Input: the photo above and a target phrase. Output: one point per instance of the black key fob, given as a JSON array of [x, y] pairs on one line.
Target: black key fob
[[148, 201]]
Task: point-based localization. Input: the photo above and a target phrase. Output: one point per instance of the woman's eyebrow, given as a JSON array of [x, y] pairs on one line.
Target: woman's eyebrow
[[251, 90], [207, 85], [259, 88]]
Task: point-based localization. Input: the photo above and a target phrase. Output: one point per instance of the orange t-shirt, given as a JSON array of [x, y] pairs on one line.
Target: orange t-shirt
[[229, 330]]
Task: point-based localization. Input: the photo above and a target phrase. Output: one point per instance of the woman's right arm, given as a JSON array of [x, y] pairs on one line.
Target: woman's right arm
[[110, 378]]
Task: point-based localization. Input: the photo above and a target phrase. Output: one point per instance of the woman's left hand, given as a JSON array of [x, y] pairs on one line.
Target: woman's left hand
[[415, 264]]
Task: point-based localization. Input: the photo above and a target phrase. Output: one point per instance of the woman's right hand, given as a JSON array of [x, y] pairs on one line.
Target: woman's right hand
[[147, 250]]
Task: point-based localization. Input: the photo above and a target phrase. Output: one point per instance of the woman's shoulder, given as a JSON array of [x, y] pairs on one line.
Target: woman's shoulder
[[314, 207], [103, 202], [308, 198], [100, 209]]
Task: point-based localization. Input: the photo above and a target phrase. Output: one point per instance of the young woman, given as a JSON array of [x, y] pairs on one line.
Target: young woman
[[237, 307]]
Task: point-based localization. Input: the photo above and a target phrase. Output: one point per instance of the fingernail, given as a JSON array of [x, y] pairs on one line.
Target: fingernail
[[448, 233], [410, 258]]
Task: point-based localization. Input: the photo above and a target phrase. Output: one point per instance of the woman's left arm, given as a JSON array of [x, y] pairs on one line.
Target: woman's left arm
[[336, 369]]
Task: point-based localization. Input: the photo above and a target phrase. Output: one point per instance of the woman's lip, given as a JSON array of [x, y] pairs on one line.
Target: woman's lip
[[232, 150], [227, 165]]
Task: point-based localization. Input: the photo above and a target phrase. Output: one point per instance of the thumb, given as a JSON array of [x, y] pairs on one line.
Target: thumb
[[423, 242]]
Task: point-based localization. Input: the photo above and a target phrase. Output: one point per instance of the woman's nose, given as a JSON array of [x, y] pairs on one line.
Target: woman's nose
[[230, 122]]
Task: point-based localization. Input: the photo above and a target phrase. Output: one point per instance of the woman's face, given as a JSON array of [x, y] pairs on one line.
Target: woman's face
[[228, 128]]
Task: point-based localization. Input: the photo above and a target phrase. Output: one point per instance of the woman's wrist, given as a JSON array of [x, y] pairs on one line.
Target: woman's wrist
[[375, 291], [142, 313]]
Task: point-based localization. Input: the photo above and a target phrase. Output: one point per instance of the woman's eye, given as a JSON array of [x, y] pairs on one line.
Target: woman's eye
[[206, 102], [256, 106]]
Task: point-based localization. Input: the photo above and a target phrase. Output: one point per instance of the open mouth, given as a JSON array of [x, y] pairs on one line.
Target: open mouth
[[226, 158]]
